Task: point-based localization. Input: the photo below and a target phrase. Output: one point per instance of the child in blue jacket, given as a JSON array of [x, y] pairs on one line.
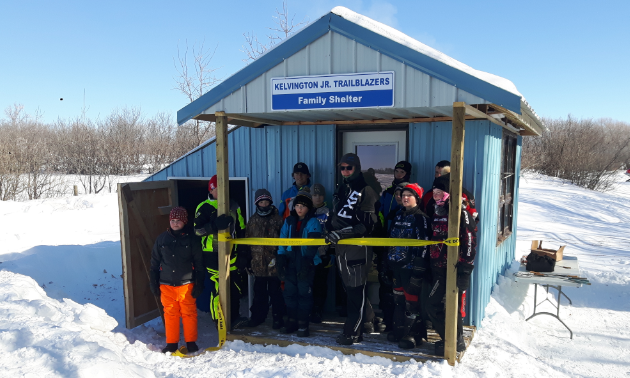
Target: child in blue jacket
[[296, 265]]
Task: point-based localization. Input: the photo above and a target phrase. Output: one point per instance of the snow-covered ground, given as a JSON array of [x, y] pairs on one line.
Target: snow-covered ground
[[62, 310]]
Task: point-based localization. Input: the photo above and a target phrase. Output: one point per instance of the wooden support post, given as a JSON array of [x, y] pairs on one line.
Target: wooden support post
[[224, 208], [75, 189], [457, 162]]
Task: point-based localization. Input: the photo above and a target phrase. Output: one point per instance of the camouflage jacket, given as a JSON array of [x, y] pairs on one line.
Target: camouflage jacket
[[264, 227]]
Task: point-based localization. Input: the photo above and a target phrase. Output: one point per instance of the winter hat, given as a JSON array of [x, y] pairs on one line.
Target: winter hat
[[442, 182], [301, 168], [178, 213], [353, 160], [318, 189], [304, 198], [212, 184], [262, 194], [401, 186], [416, 190], [405, 166]]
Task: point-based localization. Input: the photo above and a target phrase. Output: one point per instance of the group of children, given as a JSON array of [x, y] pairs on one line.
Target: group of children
[[292, 279]]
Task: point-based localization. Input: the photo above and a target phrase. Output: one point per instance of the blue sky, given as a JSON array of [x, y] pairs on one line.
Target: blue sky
[[564, 56]]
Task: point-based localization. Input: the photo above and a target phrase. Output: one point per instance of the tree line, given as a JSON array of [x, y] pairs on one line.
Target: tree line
[[34, 156], [586, 152]]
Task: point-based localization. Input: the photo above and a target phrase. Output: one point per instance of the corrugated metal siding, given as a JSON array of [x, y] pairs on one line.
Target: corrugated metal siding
[[266, 156], [416, 93], [430, 143]]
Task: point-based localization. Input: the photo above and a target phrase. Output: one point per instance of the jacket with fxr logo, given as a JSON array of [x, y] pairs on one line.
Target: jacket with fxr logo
[[353, 205]]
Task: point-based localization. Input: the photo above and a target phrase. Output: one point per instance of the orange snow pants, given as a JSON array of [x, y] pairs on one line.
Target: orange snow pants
[[179, 303]]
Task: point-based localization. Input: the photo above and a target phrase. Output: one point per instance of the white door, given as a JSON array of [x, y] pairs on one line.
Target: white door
[[380, 150]]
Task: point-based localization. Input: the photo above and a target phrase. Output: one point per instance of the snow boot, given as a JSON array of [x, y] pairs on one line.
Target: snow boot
[[368, 327], [290, 326], [399, 329], [316, 316], [439, 346], [277, 323], [192, 347], [170, 348], [254, 322], [239, 323], [303, 329], [343, 339], [379, 325], [407, 340]]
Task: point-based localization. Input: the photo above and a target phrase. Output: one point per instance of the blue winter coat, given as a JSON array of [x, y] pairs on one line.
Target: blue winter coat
[[290, 193], [312, 229]]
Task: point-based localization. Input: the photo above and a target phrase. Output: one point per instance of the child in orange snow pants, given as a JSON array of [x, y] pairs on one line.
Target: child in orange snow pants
[[177, 274]]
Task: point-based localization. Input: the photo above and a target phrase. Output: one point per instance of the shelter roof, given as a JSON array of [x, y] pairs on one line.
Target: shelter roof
[[498, 95]]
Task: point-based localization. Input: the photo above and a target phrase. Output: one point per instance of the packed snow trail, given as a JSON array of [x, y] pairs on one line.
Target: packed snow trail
[[62, 308]]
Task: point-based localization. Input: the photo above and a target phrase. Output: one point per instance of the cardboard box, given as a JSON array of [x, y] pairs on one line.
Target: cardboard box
[[554, 254]]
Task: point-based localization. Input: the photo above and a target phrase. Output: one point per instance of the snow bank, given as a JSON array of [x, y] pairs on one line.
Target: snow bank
[[40, 336]]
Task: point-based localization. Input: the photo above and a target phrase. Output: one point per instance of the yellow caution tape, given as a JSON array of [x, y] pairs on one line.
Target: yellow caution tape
[[376, 242], [182, 352]]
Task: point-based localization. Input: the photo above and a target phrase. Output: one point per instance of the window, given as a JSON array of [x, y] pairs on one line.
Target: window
[[506, 186]]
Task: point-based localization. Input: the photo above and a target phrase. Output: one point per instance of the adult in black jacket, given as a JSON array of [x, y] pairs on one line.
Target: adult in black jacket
[[353, 216], [177, 274]]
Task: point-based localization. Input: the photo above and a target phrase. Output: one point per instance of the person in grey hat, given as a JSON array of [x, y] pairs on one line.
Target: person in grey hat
[[265, 223], [353, 216]]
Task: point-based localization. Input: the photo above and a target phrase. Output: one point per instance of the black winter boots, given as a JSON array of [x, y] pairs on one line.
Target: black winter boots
[[343, 339], [170, 348], [439, 346], [290, 326], [192, 347], [303, 329]]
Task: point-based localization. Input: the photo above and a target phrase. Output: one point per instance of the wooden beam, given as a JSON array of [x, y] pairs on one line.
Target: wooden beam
[[254, 120], [374, 121], [455, 208], [224, 208], [479, 114]]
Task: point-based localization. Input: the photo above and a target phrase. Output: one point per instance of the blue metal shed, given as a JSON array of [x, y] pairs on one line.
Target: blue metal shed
[[265, 142]]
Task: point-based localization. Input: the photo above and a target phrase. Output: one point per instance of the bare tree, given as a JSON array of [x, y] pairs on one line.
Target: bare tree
[[285, 26], [195, 77], [585, 152]]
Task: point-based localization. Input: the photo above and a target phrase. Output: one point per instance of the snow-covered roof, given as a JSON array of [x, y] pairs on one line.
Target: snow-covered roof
[[487, 87], [405, 40]]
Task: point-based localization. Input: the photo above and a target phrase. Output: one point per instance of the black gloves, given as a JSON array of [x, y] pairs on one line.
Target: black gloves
[[223, 221], [332, 237], [281, 266], [154, 283], [198, 288], [463, 276], [305, 269]]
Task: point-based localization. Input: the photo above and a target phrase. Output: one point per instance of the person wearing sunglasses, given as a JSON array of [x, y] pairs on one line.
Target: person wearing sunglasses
[[353, 216]]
